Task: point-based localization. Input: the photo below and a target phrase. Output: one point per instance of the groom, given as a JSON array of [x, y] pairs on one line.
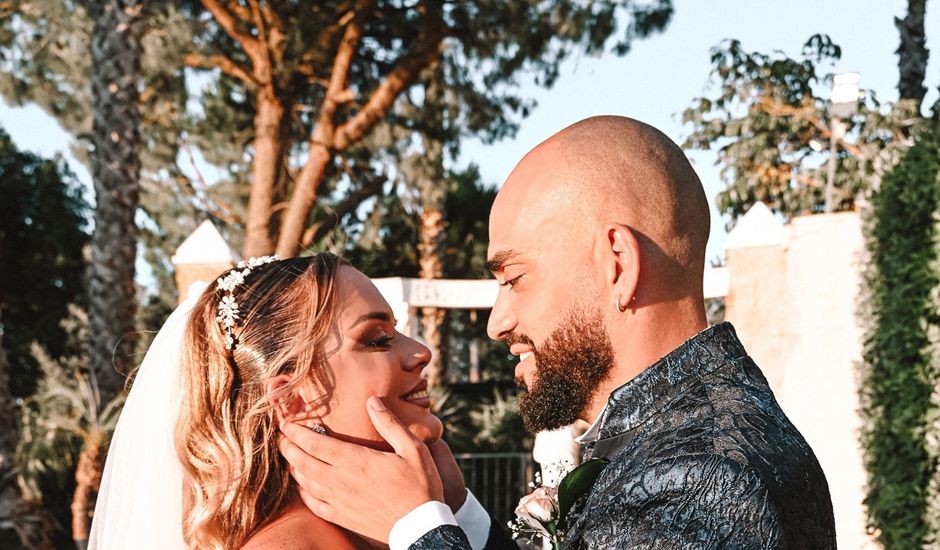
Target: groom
[[598, 242]]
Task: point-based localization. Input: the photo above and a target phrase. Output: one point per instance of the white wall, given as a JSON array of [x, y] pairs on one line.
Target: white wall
[[794, 305]]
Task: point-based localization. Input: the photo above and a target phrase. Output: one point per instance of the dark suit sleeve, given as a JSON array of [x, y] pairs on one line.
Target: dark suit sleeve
[[451, 537], [697, 502], [448, 537], [499, 538]]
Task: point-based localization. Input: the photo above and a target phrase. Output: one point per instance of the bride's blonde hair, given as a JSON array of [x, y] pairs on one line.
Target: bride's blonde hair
[[235, 480]]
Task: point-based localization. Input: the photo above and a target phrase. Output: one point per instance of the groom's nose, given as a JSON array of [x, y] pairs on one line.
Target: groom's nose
[[502, 320]]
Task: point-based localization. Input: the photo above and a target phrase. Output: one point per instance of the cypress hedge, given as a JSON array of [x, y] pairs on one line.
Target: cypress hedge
[[900, 369]]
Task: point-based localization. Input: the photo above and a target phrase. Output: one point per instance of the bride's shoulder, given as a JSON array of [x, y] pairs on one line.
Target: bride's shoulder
[[297, 528]]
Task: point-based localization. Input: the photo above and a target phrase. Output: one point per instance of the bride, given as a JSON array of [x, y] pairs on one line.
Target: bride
[[194, 460]]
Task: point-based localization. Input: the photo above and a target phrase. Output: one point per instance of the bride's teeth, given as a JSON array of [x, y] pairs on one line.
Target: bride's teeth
[[417, 395], [524, 356]]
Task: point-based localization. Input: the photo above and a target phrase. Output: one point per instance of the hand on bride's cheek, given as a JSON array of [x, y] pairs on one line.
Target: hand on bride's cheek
[[428, 429], [369, 357]]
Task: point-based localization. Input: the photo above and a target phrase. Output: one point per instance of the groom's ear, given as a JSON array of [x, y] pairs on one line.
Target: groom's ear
[[622, 265], [290, 406]]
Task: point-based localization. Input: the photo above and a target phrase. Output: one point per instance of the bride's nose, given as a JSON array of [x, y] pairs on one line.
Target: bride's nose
[[415, 355]]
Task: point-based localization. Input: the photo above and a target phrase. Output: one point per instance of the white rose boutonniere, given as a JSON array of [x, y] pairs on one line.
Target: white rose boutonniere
[[542, 514], [539, 509]]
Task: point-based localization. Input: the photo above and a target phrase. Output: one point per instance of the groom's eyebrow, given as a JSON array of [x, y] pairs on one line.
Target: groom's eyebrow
[[495, 264], [373, 316]]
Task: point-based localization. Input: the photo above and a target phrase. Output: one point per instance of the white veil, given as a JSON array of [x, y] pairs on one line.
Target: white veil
[[140, 499]]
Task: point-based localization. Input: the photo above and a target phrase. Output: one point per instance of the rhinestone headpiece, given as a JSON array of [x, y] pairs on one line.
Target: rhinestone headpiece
[[228, 307]]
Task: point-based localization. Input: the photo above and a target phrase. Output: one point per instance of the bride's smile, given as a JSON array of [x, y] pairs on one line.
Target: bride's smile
[[369, 357]]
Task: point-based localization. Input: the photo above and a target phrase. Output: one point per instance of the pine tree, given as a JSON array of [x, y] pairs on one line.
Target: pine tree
[[322, 78]]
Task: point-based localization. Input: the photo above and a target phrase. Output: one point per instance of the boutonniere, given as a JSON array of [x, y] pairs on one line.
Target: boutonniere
[[543, 513]]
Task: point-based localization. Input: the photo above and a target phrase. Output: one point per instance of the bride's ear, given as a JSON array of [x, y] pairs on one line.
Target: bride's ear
[[288, 406]]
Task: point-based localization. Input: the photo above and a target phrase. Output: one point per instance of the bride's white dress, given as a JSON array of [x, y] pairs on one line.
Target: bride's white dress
[[140, 500]]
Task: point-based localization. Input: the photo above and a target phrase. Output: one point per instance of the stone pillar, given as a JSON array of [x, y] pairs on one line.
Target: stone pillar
[[394, 290], [201, 258]]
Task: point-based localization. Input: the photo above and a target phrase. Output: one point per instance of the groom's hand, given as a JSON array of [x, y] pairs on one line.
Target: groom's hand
[[361, 489], [455, 490]]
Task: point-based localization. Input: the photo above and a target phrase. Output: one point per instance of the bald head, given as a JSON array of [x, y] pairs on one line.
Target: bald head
[[611, 169], [597, 239]]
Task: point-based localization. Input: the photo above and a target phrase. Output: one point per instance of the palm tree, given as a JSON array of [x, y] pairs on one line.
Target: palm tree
[[430, 240], [432, 189], [66, 425], [115, 52]]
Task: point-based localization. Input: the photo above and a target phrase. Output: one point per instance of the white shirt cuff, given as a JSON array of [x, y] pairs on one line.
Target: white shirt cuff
[[475, 522], [418, 522]]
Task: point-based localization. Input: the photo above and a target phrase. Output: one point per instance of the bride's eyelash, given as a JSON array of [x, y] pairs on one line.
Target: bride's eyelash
[[380, 342]]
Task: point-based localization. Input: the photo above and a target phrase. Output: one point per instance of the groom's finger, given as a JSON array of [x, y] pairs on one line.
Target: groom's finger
[[455, 490], [300, 460], [303, 437], [317, 506], [318, 446], [392, 430], [325, 448], [314, 486]]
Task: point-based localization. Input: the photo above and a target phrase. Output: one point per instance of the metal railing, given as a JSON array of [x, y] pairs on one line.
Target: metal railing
[[498, 480]]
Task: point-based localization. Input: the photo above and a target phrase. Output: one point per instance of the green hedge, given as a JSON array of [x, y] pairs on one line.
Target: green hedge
[[900, 370]]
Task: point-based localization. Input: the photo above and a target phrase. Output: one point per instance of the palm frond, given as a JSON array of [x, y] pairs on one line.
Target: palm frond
[[499, 425], [64, 415]]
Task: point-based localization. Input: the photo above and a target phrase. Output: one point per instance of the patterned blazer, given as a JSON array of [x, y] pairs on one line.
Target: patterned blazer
[[701, 456]]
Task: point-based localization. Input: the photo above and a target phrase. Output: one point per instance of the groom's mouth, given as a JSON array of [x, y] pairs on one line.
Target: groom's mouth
[[418, 395], [523, 351], [524, 364]]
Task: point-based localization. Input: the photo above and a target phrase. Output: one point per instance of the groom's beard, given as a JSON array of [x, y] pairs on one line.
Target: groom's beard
[[575, 358]]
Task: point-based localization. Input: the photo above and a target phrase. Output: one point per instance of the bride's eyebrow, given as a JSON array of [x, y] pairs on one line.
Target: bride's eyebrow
[[373, 316]]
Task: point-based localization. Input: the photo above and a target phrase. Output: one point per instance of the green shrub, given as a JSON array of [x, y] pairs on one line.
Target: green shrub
[[900, 372]]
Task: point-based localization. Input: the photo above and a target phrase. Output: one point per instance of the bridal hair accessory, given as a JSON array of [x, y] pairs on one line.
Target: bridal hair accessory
[[228, 307]]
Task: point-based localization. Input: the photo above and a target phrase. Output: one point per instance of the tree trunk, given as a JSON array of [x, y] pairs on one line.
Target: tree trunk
[[270, 124], [912, 52], [303, 199], [330, 137], [115, 51], [30, 521], [431, 227], [430, 236], [87, 481], [474, 345]]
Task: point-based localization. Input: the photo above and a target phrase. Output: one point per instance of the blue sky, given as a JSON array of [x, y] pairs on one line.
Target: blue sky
[[656, 80]]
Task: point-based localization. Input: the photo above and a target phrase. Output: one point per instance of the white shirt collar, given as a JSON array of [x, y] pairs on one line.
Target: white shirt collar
[[593, 432]]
